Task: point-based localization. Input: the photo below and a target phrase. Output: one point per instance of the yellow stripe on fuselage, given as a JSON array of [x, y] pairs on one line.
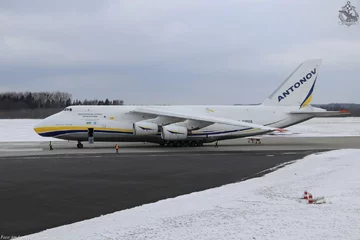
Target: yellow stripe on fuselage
[[80, 128]]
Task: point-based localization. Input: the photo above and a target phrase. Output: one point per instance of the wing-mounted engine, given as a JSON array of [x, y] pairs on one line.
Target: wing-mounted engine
[[145, 128], [173, 132], [181, 130]]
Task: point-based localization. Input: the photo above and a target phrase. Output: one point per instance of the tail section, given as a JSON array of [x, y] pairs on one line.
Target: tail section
[[298, 88]]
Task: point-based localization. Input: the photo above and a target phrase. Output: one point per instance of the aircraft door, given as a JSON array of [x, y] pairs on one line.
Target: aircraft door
[[91, 135]]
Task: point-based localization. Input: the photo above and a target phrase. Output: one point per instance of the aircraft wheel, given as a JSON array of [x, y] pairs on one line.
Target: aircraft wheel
[[80, 145]]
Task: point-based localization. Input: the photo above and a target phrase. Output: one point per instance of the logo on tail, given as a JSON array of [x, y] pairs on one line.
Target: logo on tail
[[296, 89], [293, 88]]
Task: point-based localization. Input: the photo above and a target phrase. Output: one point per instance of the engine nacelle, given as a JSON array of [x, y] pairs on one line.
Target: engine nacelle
[[145, 128], [174, 132]]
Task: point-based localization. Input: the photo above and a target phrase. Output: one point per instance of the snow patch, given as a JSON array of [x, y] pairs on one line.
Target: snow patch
[[267, 207], [323, 127], [21, 130]]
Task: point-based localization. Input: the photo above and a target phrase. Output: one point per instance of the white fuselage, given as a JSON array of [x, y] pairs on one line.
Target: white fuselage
[[115, 123]]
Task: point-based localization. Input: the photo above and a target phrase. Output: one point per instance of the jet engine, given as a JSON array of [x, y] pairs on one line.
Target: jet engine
[[174, 132], [145, 128]]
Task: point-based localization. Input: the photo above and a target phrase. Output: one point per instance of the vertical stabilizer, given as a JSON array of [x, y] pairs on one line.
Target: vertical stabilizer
[[298, 88]]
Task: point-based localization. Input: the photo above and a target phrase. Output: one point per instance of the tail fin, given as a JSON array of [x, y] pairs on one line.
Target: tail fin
[[298, 88]]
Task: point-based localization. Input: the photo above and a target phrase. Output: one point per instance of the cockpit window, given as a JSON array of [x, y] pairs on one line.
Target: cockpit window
[[68, 109]]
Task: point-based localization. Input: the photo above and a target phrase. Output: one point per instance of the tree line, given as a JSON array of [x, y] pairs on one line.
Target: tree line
[[10, 101]]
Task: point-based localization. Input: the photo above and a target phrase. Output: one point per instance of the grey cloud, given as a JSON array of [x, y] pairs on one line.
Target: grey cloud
[[36, 7], [190, 52]]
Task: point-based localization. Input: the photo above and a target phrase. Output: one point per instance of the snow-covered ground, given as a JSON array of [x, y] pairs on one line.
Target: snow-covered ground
[[269, 207], [20, 130], [327, 127]]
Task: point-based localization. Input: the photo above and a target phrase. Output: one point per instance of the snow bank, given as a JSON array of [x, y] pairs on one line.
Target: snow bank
[[262, 208]]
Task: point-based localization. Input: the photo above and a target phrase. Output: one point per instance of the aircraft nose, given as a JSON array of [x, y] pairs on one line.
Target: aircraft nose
[[38, 128]]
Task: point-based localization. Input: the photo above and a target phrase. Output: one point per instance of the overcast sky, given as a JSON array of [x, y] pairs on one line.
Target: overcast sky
[[176, 51]]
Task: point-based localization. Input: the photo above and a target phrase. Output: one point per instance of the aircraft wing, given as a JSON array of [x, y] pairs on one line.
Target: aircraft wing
[[200, 117]]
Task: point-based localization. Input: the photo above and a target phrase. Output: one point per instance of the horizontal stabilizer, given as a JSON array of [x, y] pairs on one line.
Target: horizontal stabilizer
[[324, 113]]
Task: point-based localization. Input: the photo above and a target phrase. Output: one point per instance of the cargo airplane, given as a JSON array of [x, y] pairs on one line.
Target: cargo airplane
[[191, 125]]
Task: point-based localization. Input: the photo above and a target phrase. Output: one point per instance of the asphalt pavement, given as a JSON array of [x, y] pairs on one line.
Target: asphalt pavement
[[45, 191]]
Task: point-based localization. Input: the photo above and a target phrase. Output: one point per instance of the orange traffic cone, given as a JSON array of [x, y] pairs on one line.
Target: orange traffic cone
[[305, 195], [310, 199]]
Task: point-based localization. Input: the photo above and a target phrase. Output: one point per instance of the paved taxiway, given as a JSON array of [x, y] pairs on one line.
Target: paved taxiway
[[268, 143], [49, 189], [42, 192]]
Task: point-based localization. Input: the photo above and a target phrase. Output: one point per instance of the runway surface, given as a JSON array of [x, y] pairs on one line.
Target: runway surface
[[268, 144], [42, 189], [42, 192]]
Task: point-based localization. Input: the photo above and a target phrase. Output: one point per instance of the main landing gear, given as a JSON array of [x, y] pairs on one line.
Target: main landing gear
[[182, 144], [254, 140], [79, 145]]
